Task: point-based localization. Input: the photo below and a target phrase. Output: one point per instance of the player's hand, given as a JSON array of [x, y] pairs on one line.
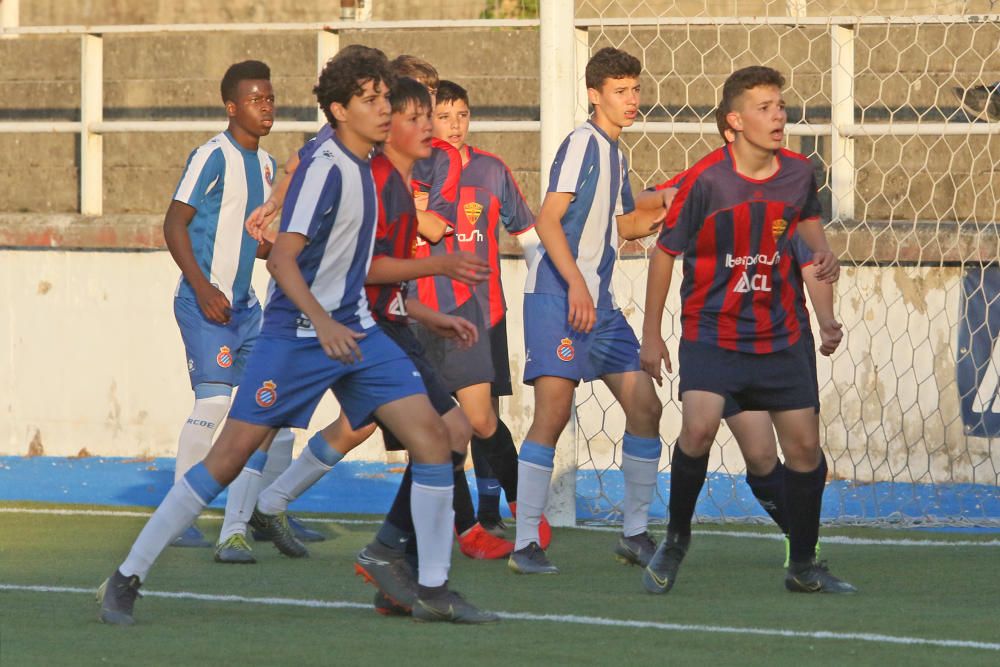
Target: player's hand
[[668, 195], [827, 266], [653, 356], [831, 332], [459, 329], [582, 314], [338, 341], [465, 267], [420, 200], [214, 304], [258, 225]]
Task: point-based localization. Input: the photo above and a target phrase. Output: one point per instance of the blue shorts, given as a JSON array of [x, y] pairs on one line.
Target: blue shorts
[[552, 348], [783, 380], [285, 379], [216, 352]]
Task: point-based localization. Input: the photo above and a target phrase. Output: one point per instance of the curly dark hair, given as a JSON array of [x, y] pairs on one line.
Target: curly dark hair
[[345, 75], [610, 63], [743, 80], [244, 71]]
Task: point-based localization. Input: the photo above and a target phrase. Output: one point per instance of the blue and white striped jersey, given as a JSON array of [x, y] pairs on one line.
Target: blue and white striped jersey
[[224, 182], [331, 201], [591, 167]]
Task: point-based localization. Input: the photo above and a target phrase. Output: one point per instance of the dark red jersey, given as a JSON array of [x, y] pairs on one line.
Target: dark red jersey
[[740, 290]]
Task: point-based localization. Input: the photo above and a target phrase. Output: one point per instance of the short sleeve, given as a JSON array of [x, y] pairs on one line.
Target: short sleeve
[[801, 253], [812, 209], [314, 194], [442, 180], [515, 215], [576, 157], [684, 218], [626, 203], [204, 171]]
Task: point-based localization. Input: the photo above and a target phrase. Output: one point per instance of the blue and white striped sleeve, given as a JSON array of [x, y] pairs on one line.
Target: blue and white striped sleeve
[[625, 203], [576, 157], [314, 189], [205, 170]]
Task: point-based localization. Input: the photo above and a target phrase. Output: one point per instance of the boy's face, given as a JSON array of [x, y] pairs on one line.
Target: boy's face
[[367, 114], [759, 116], [617, 100], [451, 122], [410, 135], [253, 109]]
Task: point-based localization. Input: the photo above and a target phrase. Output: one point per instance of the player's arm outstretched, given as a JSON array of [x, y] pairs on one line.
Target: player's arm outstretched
[[337, 341], [653, 200], [650, 209], [582, 314], [213, 303], [831, 331], [461, 266], [653, 353], [446, 326]]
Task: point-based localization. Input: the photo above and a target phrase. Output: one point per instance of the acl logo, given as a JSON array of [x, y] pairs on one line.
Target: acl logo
[[978, 365], [755, 283]]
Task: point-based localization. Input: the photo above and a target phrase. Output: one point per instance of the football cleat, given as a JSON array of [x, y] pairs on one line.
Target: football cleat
[[117, 598], [531, 560], [815, 577], [387, 607], [302, 532], [192, 537], [235, 550], [388, 571], [477, 543], [275, 528], [494, 526], [451, 608], [635, 550], [661, 572]]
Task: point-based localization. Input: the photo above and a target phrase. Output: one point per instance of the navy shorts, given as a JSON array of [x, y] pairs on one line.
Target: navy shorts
[[500, 354], [216, 352], [285, 379], [458, 368], [783, 380], [439, 396], [552, 348]]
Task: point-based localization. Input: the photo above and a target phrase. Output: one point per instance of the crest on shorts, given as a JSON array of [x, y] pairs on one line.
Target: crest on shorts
[[268, 176], [267, 394], [224, 358], [565, 350], [778, 227], [472, 211]]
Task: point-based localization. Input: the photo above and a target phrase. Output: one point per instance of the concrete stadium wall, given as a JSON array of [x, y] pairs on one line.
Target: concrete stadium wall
[[92, 360]]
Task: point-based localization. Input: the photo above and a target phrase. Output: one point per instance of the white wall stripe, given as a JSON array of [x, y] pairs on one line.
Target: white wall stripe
[[569, 619]]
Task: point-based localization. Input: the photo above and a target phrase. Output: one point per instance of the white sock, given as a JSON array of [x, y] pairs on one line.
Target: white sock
[[433, 520], [279, 457], [180, 507], [640, 485], [640, 465], [534, 472], [242, 497], [198, 431], [315, 461]]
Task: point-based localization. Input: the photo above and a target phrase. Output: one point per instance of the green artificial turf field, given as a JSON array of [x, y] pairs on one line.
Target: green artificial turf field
[[595, 612]]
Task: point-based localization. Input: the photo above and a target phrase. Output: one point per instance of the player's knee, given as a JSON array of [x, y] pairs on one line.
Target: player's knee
[[802, 455], [483, 423], [697, 439], [550, 423], [429, 441], [645, 414], [459, 434]]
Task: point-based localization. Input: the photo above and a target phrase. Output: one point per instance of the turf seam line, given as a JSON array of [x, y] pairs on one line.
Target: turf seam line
[[825, 539], [553, 618]]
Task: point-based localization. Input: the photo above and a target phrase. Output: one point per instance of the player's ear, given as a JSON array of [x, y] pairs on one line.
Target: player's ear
[[593, 96], [339, 111], [735, 121], [231, 109]]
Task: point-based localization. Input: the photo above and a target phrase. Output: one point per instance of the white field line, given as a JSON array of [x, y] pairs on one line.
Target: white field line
[[555, 618], [826, 539]]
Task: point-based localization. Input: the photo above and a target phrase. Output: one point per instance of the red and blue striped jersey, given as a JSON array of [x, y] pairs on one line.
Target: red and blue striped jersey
[[488, 197], [739, 289], [395, 236]]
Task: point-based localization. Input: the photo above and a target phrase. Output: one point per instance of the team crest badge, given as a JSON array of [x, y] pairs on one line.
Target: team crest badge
[[565, 350], [190, 365], [472, 211], [778, 227], [224, 358], [268, 176], [267, 394]]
